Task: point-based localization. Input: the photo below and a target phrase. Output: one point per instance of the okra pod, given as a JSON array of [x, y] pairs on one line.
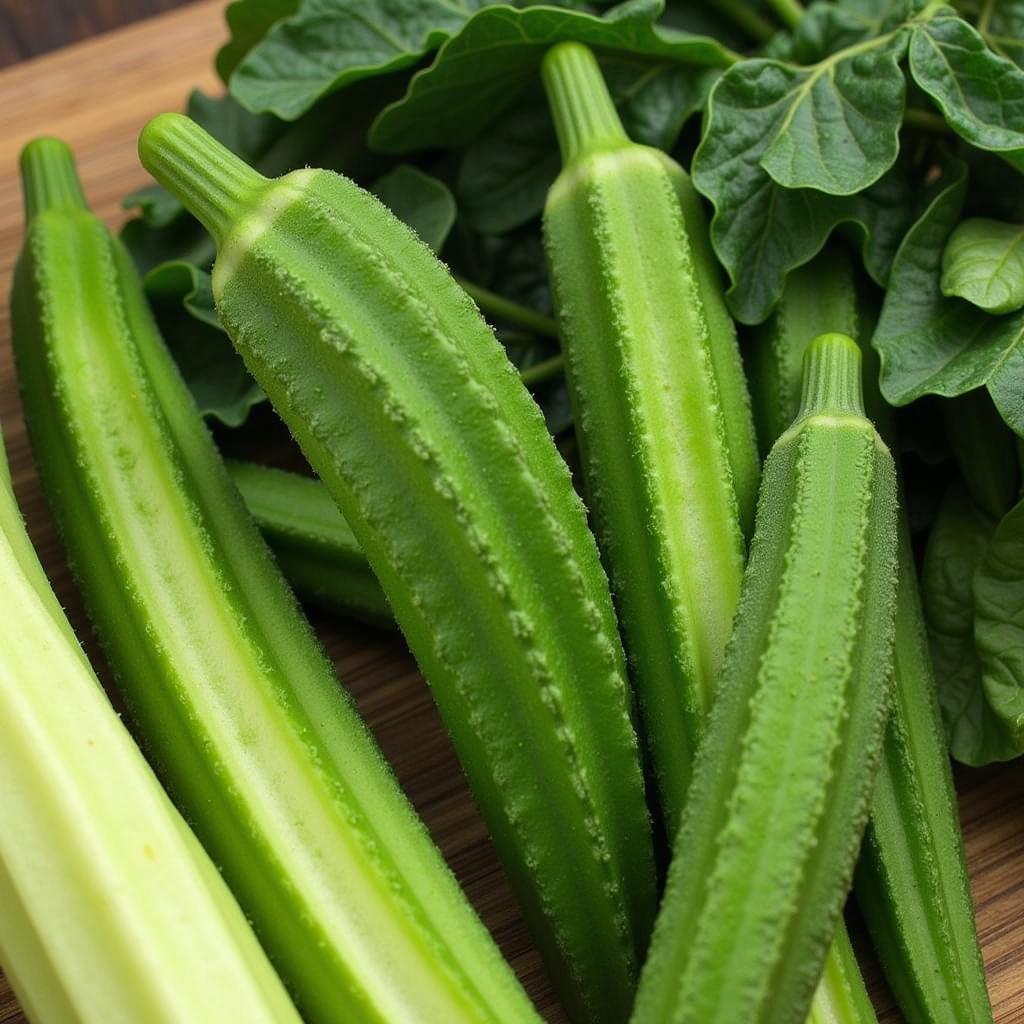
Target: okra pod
[[910, 882], [236, 702], [409, 411], [110, 911], [640, 341], [782, 783]]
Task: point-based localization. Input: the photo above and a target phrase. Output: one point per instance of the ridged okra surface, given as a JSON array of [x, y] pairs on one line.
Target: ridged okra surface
[[644, 333], [411, 414], [236, 703], [911, 880], [110, 911], [783, 780]]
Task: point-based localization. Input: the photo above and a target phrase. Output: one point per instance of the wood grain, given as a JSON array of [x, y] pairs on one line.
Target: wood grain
[[29, 29], [96, 95]]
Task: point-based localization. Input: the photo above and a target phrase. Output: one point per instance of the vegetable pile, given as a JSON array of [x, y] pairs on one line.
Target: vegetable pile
[[662, 372]]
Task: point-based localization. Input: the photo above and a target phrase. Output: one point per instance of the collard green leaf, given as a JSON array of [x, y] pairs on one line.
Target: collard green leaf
[[182, 301], [762, 230], [980, 93], [329, 44], [931, 344], [248, 22], [984, 263], [999, 623], [423, 202], [1001, 24], [506, 172], [833, 126], [956, 547], [483, 70]]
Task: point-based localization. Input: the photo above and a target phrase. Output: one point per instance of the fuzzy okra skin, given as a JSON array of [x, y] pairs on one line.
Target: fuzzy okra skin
[[639, 343], [235, 700], [911, 881], [783, 779], [313, 545], [411, 414], [110, 911]]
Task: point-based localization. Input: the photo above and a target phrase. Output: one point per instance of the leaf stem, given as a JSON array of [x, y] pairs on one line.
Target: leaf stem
[[744, 16], [790, 11], [498, 306], [926, 121], [543, 371]]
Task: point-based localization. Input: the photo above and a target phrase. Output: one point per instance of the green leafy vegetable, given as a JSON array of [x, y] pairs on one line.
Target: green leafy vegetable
[[984, 263], [931, 344], [956, 547], [508, 169], [249, 21], [483, 70], [329, 44], [423, 202], [981, 93], [1001, 24]]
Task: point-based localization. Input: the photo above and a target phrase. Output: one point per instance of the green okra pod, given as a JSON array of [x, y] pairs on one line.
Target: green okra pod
[[646, 336], [110, 911], [781, 787], [910, 882], [236, 702], [411, 414]]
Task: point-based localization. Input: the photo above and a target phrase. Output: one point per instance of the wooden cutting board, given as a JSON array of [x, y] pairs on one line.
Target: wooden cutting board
[[96, 96]]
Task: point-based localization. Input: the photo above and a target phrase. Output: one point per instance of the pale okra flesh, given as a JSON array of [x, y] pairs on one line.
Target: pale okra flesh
[[638, 341], [783, 779], [409, 411], [235, 701], [911, 879], [110, 911]]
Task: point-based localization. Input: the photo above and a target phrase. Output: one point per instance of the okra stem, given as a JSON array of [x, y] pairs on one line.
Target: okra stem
[[501, 308], [50, 181], [759, 28], [226, 180], [790, 11]]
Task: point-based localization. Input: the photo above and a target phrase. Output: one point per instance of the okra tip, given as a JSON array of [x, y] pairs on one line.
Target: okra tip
[[832, 376], [581, 106], [209, 180], [49, 178]]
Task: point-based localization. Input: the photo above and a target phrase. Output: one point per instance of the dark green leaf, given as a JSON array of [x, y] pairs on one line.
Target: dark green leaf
[[980, 93], [507, 171], [999, 623], [984, 263], [329, 44], [423, 202], [1001, 23], [761, 231], [483, 70], [956, 547], [930, 344], [248, 22], [183, 304], [833, 126]]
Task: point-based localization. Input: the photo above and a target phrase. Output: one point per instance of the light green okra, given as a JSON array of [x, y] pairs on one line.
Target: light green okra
[[236, 702], [782, 783], [660, 405], [911, 882], [411, 414], [110, 911]]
